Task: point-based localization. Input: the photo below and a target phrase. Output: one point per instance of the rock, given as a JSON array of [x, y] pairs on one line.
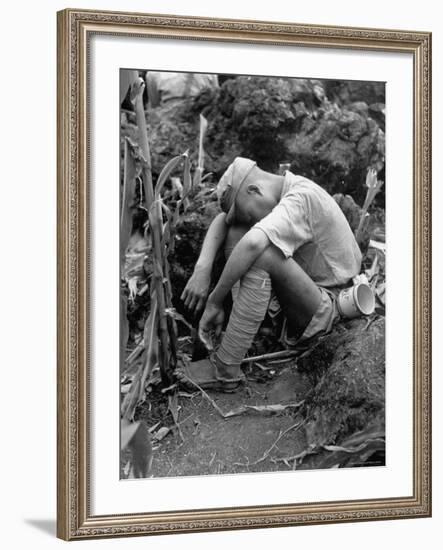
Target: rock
[[253, 115], [345, 92], [336, 149], [360, 107], [347, 371], [350, 209], [324, 132], [352, 212], [377, 112]]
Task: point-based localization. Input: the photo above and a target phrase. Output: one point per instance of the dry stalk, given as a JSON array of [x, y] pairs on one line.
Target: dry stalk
[[156, 226], [286, 353]]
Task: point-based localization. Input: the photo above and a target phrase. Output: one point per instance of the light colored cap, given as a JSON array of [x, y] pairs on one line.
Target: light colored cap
[[230, 184]]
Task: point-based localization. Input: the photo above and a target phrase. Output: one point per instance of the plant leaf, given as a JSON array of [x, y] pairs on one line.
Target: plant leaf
[[136, 391], [172, 312], [165, 173], [128, 196], [151, 343], [127, 432], [187, 183], [137, 87]]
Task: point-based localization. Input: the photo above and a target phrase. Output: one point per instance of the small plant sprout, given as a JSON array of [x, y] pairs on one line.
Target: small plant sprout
[[374, 185], [201, 152]]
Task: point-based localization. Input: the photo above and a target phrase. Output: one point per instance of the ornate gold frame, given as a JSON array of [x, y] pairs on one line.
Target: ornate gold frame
[[74, 519]]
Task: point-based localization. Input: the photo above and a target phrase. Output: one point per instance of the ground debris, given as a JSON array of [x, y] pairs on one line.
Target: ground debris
[[265, 455], [272, 409]]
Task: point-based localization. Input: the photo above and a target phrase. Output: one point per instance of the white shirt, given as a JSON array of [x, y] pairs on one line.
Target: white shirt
[[308, 225]]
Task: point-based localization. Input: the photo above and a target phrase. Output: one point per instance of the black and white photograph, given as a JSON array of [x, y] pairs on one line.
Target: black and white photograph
[[206, 343], [252, 274]]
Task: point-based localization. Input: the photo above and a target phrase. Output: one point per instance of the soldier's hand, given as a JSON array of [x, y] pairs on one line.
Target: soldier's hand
[[211, 323], [196, 291]]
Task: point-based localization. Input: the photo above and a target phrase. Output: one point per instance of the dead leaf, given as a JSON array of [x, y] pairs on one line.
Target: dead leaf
[[127, 468], [378, 245], [127, 432], [153, 428], [335, 448], [172, 312], [161, 433], [186, 394], [197, 426], [174, 409], [124, 389], [272, 409]]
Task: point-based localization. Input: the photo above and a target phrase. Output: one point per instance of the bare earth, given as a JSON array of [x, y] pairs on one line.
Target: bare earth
[[243, 443]]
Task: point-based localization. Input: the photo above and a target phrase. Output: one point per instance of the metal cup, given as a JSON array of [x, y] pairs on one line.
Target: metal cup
[[355, 301]]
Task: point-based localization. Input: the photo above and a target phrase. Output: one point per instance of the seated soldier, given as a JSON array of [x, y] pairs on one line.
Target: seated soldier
[[281, 233]]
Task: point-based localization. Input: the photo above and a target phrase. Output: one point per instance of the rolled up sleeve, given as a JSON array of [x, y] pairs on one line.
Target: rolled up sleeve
[[287, 226]]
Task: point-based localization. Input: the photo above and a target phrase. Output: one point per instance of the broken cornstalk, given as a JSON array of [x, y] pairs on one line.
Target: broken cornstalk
[[126, 221], [156, 226], [159, 343], [284, 354]]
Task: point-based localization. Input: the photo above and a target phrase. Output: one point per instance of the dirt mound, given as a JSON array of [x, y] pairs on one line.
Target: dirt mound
[[347, 372]]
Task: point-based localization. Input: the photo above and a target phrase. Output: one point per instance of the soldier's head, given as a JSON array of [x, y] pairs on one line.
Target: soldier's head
[[246, 193]]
